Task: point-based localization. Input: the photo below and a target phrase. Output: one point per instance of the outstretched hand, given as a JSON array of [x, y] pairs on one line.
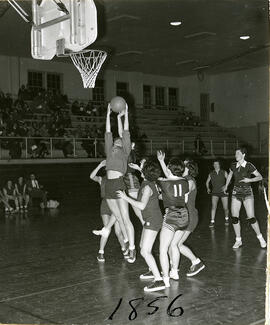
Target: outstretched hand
[[103, 163], [160, 155], [134, 166], [121, 194], [122, 113]]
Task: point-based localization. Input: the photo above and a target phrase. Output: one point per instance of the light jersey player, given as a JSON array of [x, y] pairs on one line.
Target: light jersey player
[[242, 171], [106, 215], [217, 178], [117, 153], [175, 191]]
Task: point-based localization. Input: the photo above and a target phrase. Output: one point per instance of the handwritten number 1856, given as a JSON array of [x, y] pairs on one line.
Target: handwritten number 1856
[[175, 312]]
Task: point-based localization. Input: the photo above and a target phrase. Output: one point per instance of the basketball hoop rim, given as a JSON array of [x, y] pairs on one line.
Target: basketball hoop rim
[[69, 54]]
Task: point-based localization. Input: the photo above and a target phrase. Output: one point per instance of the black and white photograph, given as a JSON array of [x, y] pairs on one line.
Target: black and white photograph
[[134, 162]]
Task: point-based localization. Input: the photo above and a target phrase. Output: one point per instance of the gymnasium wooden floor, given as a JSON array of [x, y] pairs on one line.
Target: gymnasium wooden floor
[[49, 273]]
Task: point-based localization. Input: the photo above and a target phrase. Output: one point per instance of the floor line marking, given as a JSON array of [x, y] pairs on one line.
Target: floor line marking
[[57, 288]]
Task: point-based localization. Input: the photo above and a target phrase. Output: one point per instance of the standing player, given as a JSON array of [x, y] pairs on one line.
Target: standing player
[[191, 171], [217, 178], [117, 153], [174, 190], [106, 215], [243, 171], [148, 203]]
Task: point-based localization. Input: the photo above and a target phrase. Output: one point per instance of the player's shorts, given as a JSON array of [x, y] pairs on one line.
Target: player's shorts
[[132, 183], [219, 194], [112, 186], [176, 218], [242, 193], [104, 208], [153, 222]]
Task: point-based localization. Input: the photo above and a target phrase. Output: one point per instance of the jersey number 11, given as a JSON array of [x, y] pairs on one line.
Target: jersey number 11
[[177, 190]]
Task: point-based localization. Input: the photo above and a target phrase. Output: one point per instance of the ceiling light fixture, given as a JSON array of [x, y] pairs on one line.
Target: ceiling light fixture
[[175, 23], [245, 37]]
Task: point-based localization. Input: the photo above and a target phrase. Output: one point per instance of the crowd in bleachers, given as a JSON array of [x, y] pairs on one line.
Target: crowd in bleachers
[[40, 114]]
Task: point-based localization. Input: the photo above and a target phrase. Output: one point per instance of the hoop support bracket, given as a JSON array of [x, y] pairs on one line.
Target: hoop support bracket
[[51, 22]]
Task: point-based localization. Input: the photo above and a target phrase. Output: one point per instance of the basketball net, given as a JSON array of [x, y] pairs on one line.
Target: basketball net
[[88, 64]]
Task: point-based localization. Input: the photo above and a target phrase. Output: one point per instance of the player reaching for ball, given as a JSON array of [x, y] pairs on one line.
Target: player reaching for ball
[[106, 215], [243, 171], [117, 153]]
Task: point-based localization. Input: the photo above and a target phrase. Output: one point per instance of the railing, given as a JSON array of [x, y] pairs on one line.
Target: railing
[[38, 147]]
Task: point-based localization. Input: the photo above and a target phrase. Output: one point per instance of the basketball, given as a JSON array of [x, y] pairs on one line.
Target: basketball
[[118, 104]]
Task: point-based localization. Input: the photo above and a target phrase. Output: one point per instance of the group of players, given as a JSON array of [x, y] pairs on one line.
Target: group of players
[[120, 187]]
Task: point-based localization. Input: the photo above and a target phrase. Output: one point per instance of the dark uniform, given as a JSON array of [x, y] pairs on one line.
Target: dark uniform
[[151, 213], [242, 191], [192, 211], [173, 195], [104, 208], [218, 180]]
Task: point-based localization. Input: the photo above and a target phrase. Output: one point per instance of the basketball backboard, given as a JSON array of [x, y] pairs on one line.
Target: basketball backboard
[[61, 26]]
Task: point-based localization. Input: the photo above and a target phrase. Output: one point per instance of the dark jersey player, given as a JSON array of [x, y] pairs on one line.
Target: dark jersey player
[[175, 191], [217, 178], [244, 174], [148, 203]]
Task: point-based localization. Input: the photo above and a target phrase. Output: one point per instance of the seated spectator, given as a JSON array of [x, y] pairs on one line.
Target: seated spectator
[[22, 193], [36, 191], [8, 208], [199, 145], [67, 147], [75, 108], [9, 194]]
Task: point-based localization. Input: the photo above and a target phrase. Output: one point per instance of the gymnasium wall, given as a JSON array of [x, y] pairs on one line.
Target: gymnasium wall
[[243, 91]]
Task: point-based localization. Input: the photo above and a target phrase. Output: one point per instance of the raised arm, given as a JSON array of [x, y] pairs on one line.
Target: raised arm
[[207, 183], [161, 157], [108, 119], [126, 123], [147, 192], [120, 125], [93, 174]]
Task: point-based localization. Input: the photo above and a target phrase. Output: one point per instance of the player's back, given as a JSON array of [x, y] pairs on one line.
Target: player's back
[[173, 192]]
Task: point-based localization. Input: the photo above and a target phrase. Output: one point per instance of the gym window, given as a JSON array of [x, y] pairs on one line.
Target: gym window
[[173, 98], [160, 97], [35, 81], [147, 96], [99, 91], [122, 89], [54, 82]]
